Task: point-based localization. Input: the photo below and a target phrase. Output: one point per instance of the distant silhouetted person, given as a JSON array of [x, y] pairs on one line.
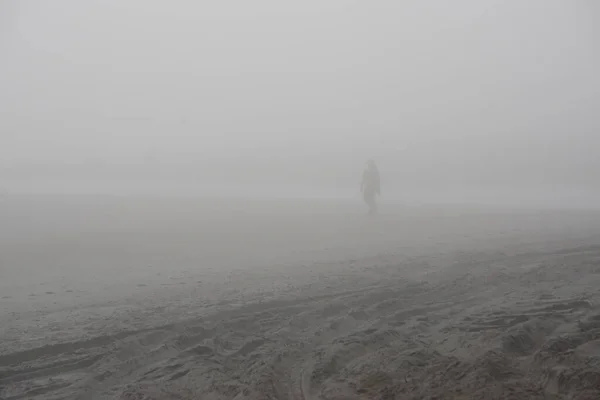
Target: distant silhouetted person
[[371, 186]]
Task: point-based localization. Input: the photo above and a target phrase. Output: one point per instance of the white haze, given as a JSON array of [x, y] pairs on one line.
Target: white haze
[[468, 101]]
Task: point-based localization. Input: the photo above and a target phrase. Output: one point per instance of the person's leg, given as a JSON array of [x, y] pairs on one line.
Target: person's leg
[[370, 200], [374, 207]]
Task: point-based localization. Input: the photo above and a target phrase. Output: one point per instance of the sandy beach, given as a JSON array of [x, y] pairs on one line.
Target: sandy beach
[[150, 298]]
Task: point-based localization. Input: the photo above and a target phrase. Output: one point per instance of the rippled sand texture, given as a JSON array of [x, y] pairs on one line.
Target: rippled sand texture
[[176, 299]]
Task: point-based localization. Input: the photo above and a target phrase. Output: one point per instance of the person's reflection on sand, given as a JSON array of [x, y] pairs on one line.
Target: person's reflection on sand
[[371, 186]]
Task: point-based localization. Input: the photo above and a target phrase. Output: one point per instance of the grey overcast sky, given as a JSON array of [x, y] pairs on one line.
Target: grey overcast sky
[[466, 91]]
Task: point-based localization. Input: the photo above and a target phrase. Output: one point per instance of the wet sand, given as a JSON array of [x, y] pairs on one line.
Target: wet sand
[[140, 298]]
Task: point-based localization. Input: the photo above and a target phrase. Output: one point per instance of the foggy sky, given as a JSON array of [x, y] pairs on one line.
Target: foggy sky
[[467, 92]]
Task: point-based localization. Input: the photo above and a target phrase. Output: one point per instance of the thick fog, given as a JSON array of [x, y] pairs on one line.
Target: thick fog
[[465, 100], [189, 199]]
